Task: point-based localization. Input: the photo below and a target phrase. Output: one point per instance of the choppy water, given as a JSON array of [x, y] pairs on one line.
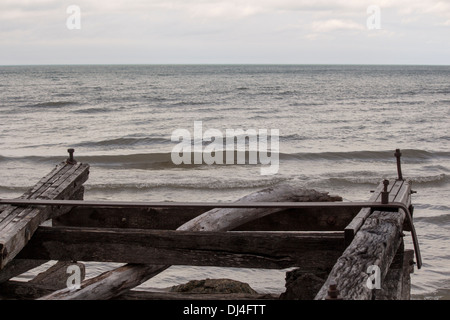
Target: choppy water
[[338, 129]]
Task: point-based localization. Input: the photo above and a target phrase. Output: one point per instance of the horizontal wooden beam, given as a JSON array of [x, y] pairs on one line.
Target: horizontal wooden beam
[[134, 218], [269, 250], [303, 219]]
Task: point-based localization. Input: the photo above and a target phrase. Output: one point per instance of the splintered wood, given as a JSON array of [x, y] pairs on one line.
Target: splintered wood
[[18, 223]]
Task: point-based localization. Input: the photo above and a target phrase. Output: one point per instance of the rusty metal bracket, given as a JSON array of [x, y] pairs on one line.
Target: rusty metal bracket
[[385, 193], [71, 160]]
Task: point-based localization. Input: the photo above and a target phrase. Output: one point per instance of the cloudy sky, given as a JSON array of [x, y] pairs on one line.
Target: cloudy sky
[[215, 31]]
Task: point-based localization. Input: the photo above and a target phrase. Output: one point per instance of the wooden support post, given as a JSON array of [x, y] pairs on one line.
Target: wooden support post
[[18, 223], [375, 244], [116, 282], [397, 283]]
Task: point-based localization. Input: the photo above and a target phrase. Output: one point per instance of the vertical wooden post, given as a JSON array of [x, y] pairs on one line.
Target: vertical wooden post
[[397, 283]]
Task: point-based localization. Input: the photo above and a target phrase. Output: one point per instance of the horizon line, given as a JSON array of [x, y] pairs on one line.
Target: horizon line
[[223, 64]]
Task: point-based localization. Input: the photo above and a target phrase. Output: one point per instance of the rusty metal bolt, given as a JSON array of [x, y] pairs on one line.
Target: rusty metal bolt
[[71, 160], [385, 192], [385, 183], [333, 292], [331, 220]]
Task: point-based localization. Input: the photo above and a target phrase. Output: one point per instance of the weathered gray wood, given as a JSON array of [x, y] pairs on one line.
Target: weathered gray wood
[[397, 283], [135, 218], [110, 284], [359, 219], [17, 267], [376, 243], [31, 291], [241, 249], [303, 285], [229, 219], [302, 219], [56, 276], [17, 224], [21, 290], [117, 281]]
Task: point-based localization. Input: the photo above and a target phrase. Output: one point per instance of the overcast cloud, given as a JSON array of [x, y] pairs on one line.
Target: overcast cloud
[[248, 31]]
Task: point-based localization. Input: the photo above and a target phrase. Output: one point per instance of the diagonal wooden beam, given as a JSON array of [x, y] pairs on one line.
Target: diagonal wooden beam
[[18, 223]]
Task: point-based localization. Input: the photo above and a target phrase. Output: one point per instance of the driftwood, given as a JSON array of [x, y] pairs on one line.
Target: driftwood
[[118, 281]]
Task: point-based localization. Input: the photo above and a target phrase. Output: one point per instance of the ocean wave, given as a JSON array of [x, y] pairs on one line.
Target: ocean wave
[[409, 155], [188, 103], [370, 178], [443, 219], [209, 184], [124, 141], [93, 110], [15, 189], [430, 180], [51, 104]]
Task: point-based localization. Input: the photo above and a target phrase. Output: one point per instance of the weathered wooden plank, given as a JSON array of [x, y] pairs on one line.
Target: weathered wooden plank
[[31, 291], [18, 224], [375, 244], [359, 219], [56, 276], [221, 219], [21, 290], [304, 219], [117, 281], [241, 249], [17, 267], [134, 218], [397, 283]]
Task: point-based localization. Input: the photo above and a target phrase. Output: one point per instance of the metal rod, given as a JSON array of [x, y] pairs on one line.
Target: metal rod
[[398, 154], [284, 205], [164, 204]]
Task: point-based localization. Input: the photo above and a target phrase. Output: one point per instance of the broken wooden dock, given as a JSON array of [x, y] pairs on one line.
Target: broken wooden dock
[[348, 250]]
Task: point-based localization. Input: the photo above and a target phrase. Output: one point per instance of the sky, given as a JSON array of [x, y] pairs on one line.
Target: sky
[[225, 32]]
